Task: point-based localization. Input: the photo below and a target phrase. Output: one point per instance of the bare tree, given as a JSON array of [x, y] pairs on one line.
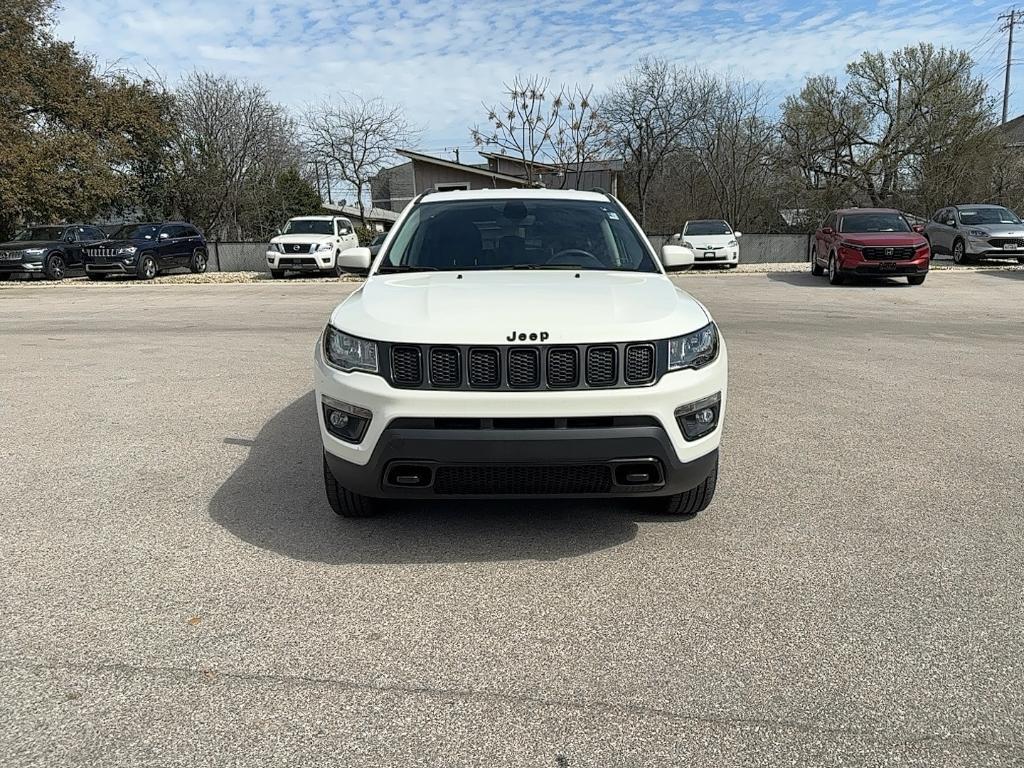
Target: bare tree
[[356, 138], [648, 114], [522, 127], [733, 142], [231, 139], [581, 134]]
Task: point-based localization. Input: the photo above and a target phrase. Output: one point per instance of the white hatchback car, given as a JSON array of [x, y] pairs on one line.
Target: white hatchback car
[[712, 241]]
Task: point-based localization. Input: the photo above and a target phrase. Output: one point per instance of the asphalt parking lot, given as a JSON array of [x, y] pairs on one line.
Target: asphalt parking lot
[[177, 592]]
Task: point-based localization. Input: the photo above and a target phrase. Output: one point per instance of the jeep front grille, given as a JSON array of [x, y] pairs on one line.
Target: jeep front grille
[[515, 367]]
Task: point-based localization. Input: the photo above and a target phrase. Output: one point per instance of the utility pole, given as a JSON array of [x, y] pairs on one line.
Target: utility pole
[[1012, 18]]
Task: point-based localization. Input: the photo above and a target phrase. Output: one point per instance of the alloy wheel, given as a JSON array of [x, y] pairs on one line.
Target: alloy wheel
[[57, 268]]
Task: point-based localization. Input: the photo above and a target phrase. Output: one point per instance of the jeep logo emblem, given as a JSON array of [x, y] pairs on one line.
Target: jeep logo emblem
[[535, 336]]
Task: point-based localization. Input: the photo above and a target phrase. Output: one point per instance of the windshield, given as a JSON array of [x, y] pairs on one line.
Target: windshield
[[517, 234], [988, 216], [308, 227], [874, 222], [41, 233], [707, 228], [137, 232]]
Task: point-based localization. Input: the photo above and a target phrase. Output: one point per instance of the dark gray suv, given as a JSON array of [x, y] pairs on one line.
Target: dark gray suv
[[970, 232]]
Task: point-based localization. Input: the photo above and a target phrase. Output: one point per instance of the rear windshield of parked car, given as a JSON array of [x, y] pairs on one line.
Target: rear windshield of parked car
[[41, 234], [308, 227], [137, 232], [873, 222], [707, 228], [518, 234], [988, 216]]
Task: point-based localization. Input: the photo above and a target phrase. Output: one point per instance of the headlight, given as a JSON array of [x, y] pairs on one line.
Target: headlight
[[34, 251], [732, 244], [977, 233], [687, 244], [127, 251], [325, 246], [349, 353], [276, 247], [694, 350]]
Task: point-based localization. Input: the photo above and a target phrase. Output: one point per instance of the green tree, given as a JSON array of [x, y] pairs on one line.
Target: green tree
[[74, 141]]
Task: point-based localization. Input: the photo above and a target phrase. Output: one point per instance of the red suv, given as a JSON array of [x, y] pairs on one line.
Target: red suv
[[869, 242]]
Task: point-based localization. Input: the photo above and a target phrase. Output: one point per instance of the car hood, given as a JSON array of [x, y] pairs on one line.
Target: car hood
[[301, 238], [709, 241], [572, 307], [897, 239], [998, 230], [21, 245]]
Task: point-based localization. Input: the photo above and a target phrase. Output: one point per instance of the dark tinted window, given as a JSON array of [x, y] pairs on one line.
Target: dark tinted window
[[518, 233], [309, 227], [92, 233], [189, 231], [707, 228], [137, 232], [41, 233], [873, 222]]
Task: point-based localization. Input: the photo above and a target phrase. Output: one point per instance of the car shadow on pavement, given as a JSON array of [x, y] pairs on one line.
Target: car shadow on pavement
[[1017, 274], [807, 280], [275, 500]]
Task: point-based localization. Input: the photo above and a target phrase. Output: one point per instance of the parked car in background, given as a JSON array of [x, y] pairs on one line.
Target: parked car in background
[[377, 242], [713, 241], [145, 250], [311, 244], [53, 252], [869, 242], [969, 232]]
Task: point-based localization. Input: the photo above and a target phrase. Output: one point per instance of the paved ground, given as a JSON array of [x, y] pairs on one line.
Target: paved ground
[[176, 592]]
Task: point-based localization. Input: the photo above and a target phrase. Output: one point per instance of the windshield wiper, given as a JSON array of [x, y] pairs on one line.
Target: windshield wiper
[[395, 269], [542, 266]]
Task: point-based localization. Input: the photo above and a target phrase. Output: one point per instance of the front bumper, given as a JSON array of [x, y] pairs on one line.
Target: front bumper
[[110, 268], [21, 268], [982, 249], [721, 256], [854, 263], [306, 262], [431, 429]]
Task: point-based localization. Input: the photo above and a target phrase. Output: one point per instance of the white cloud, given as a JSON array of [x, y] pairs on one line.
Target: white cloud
[[441, 59]]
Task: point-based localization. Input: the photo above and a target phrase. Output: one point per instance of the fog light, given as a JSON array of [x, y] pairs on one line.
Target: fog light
[[346, 422], [699, 418]]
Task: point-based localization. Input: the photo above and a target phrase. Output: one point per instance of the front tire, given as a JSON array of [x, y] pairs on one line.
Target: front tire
[[147, 267], [816, 269], [95, 275], [197, 265], [1020, 259], [689, 503], [343, 501], [835, 277], [960, 252], [276, 274], [56, 268], [916, 279]]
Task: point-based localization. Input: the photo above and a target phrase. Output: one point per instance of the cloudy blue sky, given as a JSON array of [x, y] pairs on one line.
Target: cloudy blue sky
[[441, 58]]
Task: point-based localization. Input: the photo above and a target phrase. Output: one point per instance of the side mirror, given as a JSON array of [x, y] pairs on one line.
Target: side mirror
[[355, 259], [278, 231], [919, 228], [165, 236], [951, 223], [737, 235], [827, 231], [676, 257], [676, 237]]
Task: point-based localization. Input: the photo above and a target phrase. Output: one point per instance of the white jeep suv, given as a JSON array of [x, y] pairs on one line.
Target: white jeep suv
[[311, 244], [512, 343]]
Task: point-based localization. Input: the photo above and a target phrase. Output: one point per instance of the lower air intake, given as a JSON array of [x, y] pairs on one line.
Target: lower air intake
[[566, 480]]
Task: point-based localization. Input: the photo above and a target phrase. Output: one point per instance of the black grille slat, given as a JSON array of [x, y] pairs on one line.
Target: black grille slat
[[406, 366], [563, 367], [524, 368], [889, 254], [999, 242], [484, 368], [639, 368], [602, 366], [445, 367], [569, 479]]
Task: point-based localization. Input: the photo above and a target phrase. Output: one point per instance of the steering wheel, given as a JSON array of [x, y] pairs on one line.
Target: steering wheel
[[558, 259]]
